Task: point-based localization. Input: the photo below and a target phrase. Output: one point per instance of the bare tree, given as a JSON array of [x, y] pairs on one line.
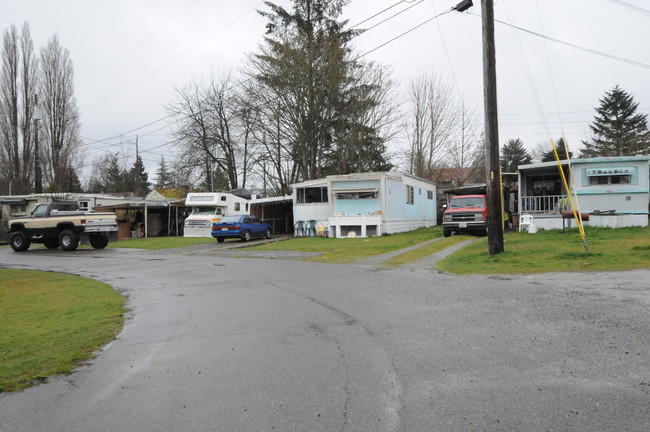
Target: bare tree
[[213, 131], [61, 116], [17, 100], [431, 121], [466, 155]]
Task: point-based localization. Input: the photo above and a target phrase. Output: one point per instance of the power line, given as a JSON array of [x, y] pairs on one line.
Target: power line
[[589, 50], [244, 81], [632, 7], [140, 42]]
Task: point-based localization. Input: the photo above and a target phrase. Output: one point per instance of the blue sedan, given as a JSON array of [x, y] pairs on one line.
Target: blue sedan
[[244, 227]]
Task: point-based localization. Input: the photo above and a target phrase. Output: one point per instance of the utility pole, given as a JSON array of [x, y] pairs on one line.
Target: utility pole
[[38, 175], [493, 172]]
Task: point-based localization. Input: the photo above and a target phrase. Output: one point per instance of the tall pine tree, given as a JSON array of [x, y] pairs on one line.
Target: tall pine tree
[[618, 130], [164, 178], [513, 154]]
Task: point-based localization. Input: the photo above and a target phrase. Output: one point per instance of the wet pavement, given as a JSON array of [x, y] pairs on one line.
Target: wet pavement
[[224, 343]]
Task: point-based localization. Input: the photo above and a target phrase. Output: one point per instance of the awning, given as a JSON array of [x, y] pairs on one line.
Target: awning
[[17, 201], [343, 190]]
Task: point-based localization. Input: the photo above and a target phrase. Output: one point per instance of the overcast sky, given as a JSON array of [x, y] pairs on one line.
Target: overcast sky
[[129, 55]]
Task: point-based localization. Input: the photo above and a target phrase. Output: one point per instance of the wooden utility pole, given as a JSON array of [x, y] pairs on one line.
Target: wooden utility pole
[[493, 173]]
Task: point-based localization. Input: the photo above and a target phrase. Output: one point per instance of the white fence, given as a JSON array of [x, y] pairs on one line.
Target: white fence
[[539, 204]]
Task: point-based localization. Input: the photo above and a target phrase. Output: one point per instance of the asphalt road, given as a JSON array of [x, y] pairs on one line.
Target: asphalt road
[[218, 343]]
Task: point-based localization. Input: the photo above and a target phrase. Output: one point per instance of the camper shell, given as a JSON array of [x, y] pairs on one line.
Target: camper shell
[[208, 208]]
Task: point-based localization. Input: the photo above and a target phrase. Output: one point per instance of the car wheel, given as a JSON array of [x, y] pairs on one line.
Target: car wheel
[[99, 241], [221, 239], [19, 241], [51, 243], [69, 240], [446, 233], [268, 234], [247, 236]]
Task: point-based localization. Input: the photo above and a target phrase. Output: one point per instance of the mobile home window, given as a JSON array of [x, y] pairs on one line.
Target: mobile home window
[[237, 206], [609, 180], [356, 195], [430, 195], [312, 195], [410, 199]]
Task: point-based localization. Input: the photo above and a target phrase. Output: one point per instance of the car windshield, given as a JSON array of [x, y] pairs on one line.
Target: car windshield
[[209, 211], [230, 219], [466, 202]]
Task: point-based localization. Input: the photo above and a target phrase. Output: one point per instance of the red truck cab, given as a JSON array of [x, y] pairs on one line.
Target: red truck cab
[[465, 213]]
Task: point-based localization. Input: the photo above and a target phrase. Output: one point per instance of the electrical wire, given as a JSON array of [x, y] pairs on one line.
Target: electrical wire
[[589, 50], [241, 83], [140, 42], [632, 7]]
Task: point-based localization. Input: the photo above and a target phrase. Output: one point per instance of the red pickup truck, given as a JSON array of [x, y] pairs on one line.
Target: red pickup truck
[[465, 213]]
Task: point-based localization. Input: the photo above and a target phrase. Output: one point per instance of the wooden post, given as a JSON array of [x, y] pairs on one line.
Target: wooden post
[[495, 216]]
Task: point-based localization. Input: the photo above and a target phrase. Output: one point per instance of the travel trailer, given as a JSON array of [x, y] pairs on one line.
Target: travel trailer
[[208, 208]]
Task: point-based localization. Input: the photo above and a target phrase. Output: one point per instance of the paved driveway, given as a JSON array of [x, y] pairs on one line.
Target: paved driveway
[[218, 343]]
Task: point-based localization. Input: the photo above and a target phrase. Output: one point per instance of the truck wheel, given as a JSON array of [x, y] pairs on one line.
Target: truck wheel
[[51, 243], [99, 241], [69, 240], [446, 233], [19, 241]]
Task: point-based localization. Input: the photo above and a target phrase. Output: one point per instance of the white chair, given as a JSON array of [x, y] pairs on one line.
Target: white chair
[[525, 221]]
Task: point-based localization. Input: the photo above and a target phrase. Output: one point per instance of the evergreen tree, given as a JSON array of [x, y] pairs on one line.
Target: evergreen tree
[[561, 146], [164, 178], [323, 107], [112, 176], [514, 154], [618, 130], [137, 178]]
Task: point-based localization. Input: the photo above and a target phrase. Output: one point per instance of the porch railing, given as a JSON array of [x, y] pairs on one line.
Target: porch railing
[[540, 204]]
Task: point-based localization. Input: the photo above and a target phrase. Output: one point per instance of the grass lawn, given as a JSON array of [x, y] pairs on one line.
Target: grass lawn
[[550, 251], [347, 250], [423, 251], [51, 323], [155, 243]]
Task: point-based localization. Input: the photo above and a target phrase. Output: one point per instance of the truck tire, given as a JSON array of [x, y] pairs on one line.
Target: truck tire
[[446, 233], [19, 241], [51, 242], [99, 241], [69, 240]]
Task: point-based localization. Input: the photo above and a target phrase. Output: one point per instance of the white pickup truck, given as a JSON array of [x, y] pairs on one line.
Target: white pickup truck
[[62, 224]]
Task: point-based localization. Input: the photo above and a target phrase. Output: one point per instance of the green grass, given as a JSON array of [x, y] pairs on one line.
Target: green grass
[[554, 251], [346, 250], [423, 251], [51, 323], [156, 243]]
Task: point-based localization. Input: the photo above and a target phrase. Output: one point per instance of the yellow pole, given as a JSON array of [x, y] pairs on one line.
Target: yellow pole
[[576, 214]]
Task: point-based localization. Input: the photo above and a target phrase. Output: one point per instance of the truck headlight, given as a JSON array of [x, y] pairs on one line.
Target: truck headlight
[[446, 218], [478, 216]]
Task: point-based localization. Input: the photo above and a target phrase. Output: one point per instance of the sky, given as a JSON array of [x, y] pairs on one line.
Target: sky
[[130, 56]]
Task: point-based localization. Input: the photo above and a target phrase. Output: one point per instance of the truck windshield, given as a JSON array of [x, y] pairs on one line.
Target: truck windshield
[[467, 202], [40, 210], [206, 211]]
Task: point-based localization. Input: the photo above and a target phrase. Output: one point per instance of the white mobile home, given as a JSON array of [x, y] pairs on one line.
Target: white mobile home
[[614, 191], [365, 204]]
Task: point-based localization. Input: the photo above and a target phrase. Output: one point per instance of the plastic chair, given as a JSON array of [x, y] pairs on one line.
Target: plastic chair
[[310, 227], [299, 229], [525, 221]]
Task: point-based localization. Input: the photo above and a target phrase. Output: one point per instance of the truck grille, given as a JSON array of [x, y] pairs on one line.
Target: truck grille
[[462, 217], [198, 223]]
